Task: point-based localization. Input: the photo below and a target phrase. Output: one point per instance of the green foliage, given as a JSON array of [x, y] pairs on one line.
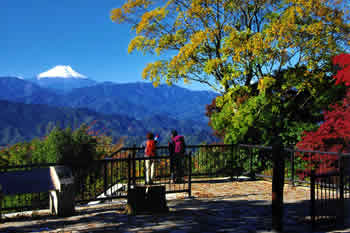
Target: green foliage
[[75, 148], [284, 107]]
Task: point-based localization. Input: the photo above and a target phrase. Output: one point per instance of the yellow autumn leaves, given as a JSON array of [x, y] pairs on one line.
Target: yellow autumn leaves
[[265, 83], [228, 40]]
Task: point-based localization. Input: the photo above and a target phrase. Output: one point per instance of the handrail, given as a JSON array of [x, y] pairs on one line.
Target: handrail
[[318, 152], [123, 149], [230, 145]]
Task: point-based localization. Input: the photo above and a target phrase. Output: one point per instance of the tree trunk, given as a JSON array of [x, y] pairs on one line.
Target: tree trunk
[[277, 187]]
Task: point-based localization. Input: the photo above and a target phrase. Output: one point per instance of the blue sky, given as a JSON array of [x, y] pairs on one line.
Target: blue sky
[[37, 35]]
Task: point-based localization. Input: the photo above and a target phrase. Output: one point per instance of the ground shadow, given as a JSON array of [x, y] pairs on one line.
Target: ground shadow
[[188, 215]]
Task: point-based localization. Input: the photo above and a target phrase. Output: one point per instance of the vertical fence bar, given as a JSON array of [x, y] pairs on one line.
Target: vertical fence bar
[[105, 177], [232, 162], [292, 168], [190, 174], [321, 186], [341, 181], [1, 196], [134, 165], [252, 176], [213, 168], [129, 171], [111, 176], [313, 204], [140, 170]]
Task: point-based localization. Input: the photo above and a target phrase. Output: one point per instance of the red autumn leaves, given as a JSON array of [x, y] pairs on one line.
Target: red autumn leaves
[[333, 135], [343, 76]]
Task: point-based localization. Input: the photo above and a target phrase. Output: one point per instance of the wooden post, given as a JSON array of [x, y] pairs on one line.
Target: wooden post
[[277, 185]]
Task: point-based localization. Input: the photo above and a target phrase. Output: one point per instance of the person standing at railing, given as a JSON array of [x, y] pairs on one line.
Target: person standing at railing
[[150, 151], [177, 154]]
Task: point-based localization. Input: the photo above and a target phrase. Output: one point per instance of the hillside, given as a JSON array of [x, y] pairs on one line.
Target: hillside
[[24, 91], [137, 100], [140, 100], [22, 122]]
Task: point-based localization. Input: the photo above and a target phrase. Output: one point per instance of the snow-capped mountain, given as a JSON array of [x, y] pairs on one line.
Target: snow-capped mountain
[[61, 71], [63, 78]]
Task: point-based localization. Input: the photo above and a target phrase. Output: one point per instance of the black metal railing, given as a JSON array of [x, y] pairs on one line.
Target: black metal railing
[[103, 180], [330, 191], [111, 177], [136, 168]]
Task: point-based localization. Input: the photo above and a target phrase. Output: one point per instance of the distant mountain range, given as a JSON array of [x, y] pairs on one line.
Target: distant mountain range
[[23, 122], [34, 106]]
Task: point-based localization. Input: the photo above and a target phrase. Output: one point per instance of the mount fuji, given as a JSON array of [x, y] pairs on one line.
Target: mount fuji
[[61, 72], [62, 78]]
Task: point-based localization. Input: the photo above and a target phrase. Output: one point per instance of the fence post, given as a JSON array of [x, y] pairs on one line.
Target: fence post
[[342, 200], [134, 165], [232, 161], [1, 196], [313, 204], [105, 177], [129, 171], [251, 174], [277, 185], [292, 168], [190, 174]]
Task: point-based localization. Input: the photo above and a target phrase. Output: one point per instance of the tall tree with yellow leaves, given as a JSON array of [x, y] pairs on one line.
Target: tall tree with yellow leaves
[[246, 50]]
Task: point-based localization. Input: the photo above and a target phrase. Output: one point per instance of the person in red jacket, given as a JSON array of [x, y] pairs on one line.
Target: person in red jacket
[[150, 151]]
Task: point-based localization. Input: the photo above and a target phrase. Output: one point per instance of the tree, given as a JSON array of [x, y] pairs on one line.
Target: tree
[[240, 48], [333, 135], [258, 117]]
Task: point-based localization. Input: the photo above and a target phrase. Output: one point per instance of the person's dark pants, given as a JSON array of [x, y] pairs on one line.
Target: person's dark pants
[[178, 167], [172, 167]]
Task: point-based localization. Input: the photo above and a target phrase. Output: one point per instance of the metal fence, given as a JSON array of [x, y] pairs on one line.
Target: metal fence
[[102, 180], [330, 189], [110, 178]]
